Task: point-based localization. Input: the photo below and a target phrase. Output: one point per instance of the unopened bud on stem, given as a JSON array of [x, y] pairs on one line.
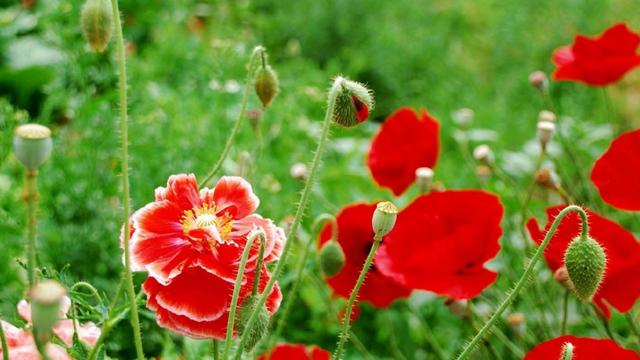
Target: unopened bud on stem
[[545, 132], [332, 258], [483, 153], [384, 218], [266, 84], [260, 327], [353, 103], [538, 79], [97, 23], [586, 262]]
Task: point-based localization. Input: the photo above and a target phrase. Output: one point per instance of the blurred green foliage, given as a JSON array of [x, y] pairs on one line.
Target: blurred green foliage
[[186, 64]]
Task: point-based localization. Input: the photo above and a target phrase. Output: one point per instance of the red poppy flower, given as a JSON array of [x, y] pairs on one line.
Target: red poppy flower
[[296, 352], [441, 242], [406, 141], [355, 235], [600, 60], [616, 173], [621, 247], [190, 240], [584, 349]]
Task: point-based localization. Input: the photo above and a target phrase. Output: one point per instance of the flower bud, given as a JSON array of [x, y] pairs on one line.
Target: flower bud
[[562, 277], [463, 117], [483, 172], [483, 153], [332, 258], [546, 115], [299, 171], [261, 325], [516, 322], [353, 103], [32, 145], [46, 298], [545, 132], [538, 79], [266, 84], [585, 261], [384, 218], [547, 178], [424, 179], [97, 23], [567, 351]]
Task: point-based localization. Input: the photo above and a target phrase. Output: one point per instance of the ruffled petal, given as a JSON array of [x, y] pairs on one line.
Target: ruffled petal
[[234, 195]]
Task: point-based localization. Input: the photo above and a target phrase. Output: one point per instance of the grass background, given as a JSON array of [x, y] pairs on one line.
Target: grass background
[[186, 68]]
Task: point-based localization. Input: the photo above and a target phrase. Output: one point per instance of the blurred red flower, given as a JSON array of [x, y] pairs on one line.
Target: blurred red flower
[[21, 345], [584, 349], [441, 242], [296, 352], [355, 235], [622, 249], [406, 141], [190, 240], [616, 173], [600, 60]]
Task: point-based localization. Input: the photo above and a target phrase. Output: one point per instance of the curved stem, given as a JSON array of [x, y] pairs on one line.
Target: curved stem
[[124, 133], [31, 197], [3, 341], [346, 323], [525, 277], [243, 109], [236, 292], [302, 204], [565, 312], [291, 295], [88, 286]]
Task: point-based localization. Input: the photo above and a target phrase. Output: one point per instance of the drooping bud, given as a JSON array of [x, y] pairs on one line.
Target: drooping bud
[[32, 145], [384, 218], [538, 79], [46, 298], [463, 117], [299, 171], [562, 277], [332, 258], [547, 178], [353, 103], [266, 84], [567, 351], [96, 19], [424, 179], [261, 325], [483, 153], [585, 261], [545, 132], [546, 115]]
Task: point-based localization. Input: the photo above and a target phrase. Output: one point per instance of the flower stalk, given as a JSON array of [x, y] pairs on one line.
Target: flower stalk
[[3, 343], [31, 198], [124, 153], [482, 333], [336, 88]]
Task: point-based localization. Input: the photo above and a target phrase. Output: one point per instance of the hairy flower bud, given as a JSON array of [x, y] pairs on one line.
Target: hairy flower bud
[[261, 325], [567, 351], [46, 298], [97, 23], [266, 84], [332, 258], [545, 132], [32, 145], [353, 103], [585, 261], [384, 218], [424, 179], [538, 79]]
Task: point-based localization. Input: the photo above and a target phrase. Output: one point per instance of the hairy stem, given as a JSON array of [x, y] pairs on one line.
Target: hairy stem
[[565, 312], [31, 197], [524, 278]]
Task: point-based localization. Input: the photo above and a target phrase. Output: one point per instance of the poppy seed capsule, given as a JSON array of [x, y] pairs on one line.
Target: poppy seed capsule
[[384, 218], [546, 115], [424, 178], [545, 132], [266, 84], [32, 145], [585, 261], [332, 258], [96, 19], [260, 327], [46, 298], [353, 103], [567, 351]]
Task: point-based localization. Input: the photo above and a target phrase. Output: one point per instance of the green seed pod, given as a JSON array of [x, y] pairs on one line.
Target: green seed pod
[[266, 84], [567, 351], [331, 258], [384, 218], [46, 298], [260, 327], [96, 19], [585, 261], [32, 145], [353, 104]]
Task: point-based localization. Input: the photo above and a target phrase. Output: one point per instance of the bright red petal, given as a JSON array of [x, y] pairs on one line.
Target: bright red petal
[[235, 195], [182, 190], [584, 349], [285, 351]]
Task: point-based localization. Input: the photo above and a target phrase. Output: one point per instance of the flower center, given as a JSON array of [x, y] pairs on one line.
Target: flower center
[[204, 224]]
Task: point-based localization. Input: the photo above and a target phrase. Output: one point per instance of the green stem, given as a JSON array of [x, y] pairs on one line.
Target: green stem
[[302, 204], [236, 292], [243, 109], [256, 279], [124, 133], [565, 312], [291, 294], [529, 196], [31, 197], [430, 337], [632, 326], [525, 277], [605, 322], [216, 350], [346, 323], [3, 340]]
